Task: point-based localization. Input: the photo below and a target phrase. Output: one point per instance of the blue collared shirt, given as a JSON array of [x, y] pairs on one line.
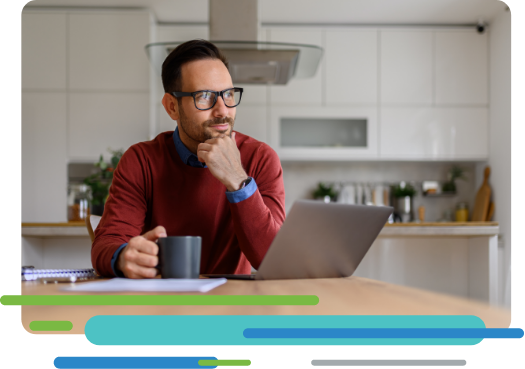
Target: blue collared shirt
[[192, 160]]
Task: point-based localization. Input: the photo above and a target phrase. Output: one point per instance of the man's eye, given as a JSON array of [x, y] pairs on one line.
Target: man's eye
[[205, 96]]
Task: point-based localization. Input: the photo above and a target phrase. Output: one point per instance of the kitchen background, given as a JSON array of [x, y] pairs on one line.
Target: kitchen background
[[434, 92]]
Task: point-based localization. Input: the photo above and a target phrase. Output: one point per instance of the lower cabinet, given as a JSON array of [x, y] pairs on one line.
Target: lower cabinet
[[433, 133]]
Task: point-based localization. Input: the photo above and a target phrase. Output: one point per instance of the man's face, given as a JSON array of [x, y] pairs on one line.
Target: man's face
[[202, 125]]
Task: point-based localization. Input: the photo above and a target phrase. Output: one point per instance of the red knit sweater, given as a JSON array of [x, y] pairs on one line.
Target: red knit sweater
[[152, 186]]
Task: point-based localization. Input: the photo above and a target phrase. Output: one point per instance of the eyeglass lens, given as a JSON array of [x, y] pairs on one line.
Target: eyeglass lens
[[206, 99]]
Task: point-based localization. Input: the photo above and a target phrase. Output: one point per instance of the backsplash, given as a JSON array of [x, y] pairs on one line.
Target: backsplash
[[301, 178]]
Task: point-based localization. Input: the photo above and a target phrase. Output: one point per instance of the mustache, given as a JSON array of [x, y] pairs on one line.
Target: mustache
[[215, 121]]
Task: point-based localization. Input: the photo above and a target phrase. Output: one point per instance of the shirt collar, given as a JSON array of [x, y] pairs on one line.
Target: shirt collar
[[185, 154]]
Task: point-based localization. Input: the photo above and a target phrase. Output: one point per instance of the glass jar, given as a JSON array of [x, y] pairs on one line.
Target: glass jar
[[78, 201], [462, 212]]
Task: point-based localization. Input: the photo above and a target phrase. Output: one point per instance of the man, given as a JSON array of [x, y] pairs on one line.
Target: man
[[203, 179]]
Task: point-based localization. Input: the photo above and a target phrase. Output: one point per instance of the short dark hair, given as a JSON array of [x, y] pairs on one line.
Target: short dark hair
[[184, 53]]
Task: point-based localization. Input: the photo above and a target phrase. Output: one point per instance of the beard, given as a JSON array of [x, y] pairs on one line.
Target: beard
[[201, 132]]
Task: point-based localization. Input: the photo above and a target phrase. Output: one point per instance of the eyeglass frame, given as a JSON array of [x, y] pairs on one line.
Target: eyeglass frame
[[217, 94]]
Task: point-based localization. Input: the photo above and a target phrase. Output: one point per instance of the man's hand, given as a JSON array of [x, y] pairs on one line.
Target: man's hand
[[139, 258], [223, 158]]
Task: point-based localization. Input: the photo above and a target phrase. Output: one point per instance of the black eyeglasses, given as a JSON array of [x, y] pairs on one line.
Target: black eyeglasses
[[206, 99]]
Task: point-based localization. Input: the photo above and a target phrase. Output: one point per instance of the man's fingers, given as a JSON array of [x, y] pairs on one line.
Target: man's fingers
[[136, 271], [142, 259], [155, 233], [146, 247], [203, 156], [204, 147]]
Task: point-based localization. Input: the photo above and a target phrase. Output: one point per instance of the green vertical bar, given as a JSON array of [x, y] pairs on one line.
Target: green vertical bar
[[10, 147], [224, 362]]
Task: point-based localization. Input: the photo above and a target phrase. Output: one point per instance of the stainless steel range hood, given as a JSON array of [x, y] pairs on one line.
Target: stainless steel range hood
[[234, 26]]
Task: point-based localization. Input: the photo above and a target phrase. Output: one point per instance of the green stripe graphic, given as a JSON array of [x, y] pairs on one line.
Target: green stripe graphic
[[51, 325], [256, 362], [56, 300]]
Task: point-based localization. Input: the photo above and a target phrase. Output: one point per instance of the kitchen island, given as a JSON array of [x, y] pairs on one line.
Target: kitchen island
[[454, 258]]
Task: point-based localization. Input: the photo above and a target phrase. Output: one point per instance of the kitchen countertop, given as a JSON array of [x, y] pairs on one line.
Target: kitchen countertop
[[449, 229]]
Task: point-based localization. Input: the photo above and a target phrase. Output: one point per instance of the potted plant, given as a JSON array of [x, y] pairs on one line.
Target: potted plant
[[403, 194], [100, 181], [454, 173], [324, 192]]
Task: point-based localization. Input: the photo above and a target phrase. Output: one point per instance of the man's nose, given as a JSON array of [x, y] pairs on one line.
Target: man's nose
[[220, 109]]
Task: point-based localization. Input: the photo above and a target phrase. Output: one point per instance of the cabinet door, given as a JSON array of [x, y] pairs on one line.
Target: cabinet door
[[251, 120], [406, 67], [106, 51], [98, 121], [43, 50], [305, 92], [44, 171], [323, 121], [434, 133], [351, 67], [461, 67]]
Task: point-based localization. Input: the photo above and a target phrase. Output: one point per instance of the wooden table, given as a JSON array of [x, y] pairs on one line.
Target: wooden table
[[337, 296]]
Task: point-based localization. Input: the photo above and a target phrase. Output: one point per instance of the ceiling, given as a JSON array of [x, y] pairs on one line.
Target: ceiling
[[315, 11]]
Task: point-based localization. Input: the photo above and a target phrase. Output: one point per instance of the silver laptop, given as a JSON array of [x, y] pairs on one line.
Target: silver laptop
[[319, 240]]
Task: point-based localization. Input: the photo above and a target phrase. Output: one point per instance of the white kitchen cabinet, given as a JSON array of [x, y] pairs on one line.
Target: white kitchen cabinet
[[351, 67], [327, 116], [98, 121], [43, 50], [406, 67], [44, 153], [251, 120], [461, 75], [106, 51], [304, 92], [434, 133]]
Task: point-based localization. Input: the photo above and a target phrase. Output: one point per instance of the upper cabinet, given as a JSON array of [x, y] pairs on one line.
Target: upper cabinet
[[324, 133], [406, 67], [106, 51], [109, 82], [305, 92], [461, 75], [351, 67], [426, 133], [44, 50]]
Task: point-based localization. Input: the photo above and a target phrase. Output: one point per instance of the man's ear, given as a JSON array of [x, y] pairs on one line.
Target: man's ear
[[171, 106]]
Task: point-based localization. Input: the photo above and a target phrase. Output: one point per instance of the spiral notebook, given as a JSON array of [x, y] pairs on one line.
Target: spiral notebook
[[57, 275]]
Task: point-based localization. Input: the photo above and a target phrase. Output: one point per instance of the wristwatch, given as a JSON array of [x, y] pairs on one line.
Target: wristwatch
[[245, 183]]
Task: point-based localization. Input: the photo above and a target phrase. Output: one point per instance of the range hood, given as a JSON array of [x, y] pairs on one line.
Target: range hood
[[234, 26]]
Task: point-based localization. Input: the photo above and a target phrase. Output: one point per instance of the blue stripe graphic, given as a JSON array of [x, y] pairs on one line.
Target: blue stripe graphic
[[383, 333], [130, 362]]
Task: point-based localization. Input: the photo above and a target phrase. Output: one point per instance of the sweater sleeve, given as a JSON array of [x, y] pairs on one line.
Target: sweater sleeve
[[124, 211], [258, 218]]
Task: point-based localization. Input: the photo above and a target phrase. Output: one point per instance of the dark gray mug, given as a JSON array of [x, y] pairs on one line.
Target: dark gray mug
[[180, 256]]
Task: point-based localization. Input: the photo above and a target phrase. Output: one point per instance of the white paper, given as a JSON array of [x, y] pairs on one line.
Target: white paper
[[148, 285]]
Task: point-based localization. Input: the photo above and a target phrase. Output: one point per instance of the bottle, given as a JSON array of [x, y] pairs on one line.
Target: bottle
[[421, 213], [462, 212], [78, 201]]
